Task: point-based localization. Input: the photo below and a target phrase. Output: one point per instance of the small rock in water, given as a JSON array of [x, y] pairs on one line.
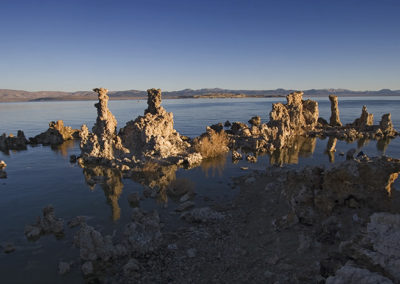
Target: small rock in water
[[227, 123], [244, 168], [185, 206], [191, 252], [172, 247], [87, 268], [72, 159], [251, 159], [350, 154], [341, 153], [185, 197], [131, 266], [78, 220], [3, 174], [250, 180], [8, 248], [134, 199], [236, 155], [3, 165], [64, 267]]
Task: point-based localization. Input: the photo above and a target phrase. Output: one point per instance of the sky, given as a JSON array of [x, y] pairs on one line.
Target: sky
[[293, 44]]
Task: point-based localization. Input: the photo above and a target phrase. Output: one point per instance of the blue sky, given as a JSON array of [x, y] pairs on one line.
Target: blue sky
[[299, 44]]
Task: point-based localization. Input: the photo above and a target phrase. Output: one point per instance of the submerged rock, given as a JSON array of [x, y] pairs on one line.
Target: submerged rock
[[102, 145], [316, 192], [56, 134], [48, 224]]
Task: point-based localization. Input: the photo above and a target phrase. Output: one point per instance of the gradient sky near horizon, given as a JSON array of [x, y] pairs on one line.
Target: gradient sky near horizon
[[77, 45]]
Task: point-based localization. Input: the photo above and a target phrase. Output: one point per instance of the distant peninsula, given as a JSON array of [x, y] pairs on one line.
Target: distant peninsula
[[25, 96]]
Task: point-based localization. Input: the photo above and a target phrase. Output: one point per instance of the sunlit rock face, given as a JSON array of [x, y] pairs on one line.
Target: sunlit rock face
[[386, 125], [335, 119], [366, 119], [102, 144], [293, 118], [153, 136], [56, 134]]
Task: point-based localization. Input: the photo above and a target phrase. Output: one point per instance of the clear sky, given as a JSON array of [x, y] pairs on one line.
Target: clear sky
[[300, 44]]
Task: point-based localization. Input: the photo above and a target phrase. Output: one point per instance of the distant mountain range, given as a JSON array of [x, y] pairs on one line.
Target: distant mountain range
[[25, 96]]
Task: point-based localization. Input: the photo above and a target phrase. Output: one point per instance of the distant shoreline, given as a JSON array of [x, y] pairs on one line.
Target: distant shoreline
[[8, 96]]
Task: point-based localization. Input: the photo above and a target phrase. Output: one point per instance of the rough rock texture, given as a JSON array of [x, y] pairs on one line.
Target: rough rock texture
[[49, 224], [143, 234], [315, 191], [291, 119], [11, 142], [366, 119], [56, 134], [3, 165], [353, 275], [202, 215], [152, 136], [102, 145], [92, 245], [386, 125], [335, 119]]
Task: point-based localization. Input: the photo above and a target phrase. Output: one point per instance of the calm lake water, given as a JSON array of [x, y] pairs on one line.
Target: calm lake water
[[43, 175]]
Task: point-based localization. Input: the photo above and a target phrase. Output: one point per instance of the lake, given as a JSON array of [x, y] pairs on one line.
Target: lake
[[42, 175]]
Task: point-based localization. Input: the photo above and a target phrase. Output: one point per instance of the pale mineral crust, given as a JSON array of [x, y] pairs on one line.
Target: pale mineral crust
[[102, 145], [335, 118], [152, 136]]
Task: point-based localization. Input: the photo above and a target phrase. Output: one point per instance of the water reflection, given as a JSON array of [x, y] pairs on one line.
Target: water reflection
[[110, 181], [215, 165], [63, 148], [383, 144], [302, 147], [331, 148]]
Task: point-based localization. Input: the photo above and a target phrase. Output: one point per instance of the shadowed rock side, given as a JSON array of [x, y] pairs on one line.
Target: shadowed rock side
[[153, 137], [335, 119], [102, 145], [11, 142], [56, 134]]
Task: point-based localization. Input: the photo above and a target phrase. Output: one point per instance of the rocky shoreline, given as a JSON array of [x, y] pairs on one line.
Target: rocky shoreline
[[315, 224]]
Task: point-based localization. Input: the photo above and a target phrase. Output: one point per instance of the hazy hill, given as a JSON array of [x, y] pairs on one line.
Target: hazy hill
[[20, 96]]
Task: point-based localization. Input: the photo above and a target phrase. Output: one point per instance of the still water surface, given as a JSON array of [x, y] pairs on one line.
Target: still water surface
[[42, 175]]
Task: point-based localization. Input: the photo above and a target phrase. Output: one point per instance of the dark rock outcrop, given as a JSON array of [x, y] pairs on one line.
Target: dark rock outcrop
[[11, 142], [56, 134], [48, 224]]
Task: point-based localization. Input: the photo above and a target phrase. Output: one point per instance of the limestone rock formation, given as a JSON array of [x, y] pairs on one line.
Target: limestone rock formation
[[3, 173], [56, 134], [291, 119], [386, 125], [335, 119], [11, 142], [102, 145], [152, 136], [49, 224], [366, 119]]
